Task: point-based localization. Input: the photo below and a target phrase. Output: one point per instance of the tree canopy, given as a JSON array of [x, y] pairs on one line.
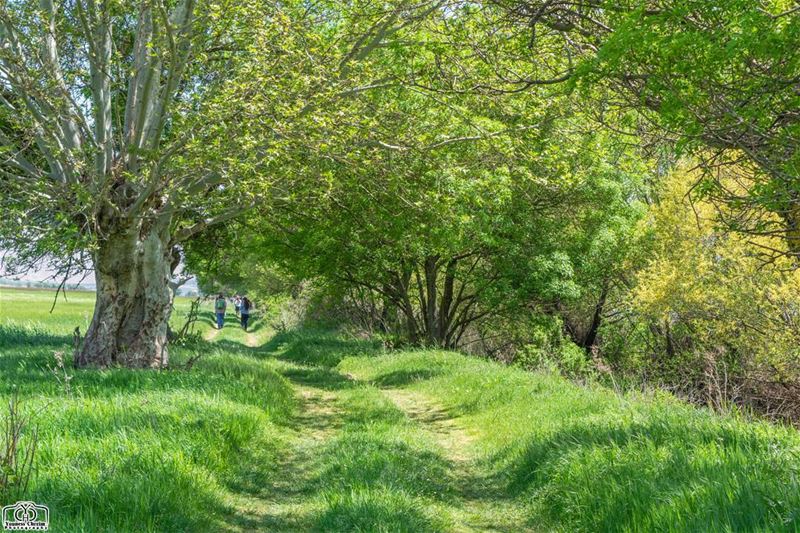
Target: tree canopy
[[583, 184]]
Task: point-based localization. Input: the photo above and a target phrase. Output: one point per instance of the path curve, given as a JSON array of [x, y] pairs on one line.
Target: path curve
[[432, 418]]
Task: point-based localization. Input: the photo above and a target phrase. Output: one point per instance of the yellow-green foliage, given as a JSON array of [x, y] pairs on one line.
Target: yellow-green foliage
[[711, 290]]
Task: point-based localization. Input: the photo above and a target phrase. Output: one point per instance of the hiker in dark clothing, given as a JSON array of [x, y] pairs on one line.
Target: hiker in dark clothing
[[244, 310]]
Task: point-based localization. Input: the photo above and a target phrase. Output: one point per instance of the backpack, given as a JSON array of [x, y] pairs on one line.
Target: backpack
[[220, 304]]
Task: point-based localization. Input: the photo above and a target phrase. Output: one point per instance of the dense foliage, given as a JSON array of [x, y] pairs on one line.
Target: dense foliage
[[705, 315], [603, 188], [608, 188]]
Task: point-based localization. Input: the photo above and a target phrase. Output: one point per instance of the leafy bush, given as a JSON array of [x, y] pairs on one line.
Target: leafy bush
[[706, 316], [549, 350]]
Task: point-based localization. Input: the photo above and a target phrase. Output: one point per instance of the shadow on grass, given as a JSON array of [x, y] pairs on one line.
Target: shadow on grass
[[317, 348], [226, 369], [256, 324], [12, 336], [230, 321], [236, 346], [207, 319], [401, 378], [320, 378]]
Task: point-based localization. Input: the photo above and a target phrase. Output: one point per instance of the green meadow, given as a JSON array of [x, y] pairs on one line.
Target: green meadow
[[319, 431]]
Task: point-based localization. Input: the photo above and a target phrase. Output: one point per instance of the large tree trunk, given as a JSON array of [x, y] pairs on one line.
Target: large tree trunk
[[129, 326]]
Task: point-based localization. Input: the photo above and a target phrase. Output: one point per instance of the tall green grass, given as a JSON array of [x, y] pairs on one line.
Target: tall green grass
[[140, 450], [177, 450], [380, 473], [587, 459]]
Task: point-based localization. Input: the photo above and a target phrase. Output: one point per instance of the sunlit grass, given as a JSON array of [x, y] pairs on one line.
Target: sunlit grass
[[139, 450], [587, 459], [306, 429]]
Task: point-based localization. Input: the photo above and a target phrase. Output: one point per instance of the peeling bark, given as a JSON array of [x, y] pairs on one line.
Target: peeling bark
[[129, 326]]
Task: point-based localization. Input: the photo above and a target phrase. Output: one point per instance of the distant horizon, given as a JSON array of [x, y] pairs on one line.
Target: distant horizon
[[43, 274], [83, 280], [31, 282]]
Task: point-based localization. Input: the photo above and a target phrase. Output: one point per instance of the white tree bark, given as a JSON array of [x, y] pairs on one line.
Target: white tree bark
[[114, 158], [134, 300]]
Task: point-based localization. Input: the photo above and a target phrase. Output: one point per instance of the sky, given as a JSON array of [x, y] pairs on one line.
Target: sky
[[46, 274]]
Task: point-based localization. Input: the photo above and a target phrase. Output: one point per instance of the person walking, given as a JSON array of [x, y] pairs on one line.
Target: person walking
[[244, 310], [237, 303], [219, 309]]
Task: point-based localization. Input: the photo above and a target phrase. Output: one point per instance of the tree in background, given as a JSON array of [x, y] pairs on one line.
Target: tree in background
[[445, 229]]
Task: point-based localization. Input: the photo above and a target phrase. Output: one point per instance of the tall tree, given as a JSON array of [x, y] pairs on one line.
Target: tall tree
[[128, 127]]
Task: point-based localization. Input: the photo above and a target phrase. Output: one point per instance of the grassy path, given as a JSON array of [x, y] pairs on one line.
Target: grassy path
[[314, 431], [425, 441], [283, 505], [438, 423], [474, 510], [366, 458]]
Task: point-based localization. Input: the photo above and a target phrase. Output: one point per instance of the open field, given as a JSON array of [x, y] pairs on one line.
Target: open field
[[313, 431]]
